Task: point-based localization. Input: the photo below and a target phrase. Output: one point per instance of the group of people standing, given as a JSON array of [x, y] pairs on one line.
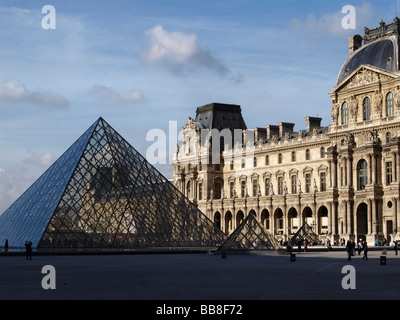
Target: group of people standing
[[361, 247]]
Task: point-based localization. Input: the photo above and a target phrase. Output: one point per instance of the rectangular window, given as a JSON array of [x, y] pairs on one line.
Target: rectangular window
[[389, 172], [200, 191], [243, 189], [255, 187], [280, 185], [308, 182], [232, 189], [267, 184], [322, 177], [294, 184], [217, 191], [255, 162], [266, 160]]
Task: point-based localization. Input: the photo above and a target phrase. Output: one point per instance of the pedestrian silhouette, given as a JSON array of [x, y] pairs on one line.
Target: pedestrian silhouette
[[395, 247], [6, 246], [28, 246], [349, 250], [365, 249]]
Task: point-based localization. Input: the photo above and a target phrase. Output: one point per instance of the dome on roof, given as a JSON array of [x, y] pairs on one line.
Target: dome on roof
[[380, 54], [380, 49]]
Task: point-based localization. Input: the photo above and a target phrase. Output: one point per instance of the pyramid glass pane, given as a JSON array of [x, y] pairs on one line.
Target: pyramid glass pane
[[111, 197], [28, 217], [250, 235], [305, 232]]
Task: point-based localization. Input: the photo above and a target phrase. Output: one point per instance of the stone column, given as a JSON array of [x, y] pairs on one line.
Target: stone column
[[344, 207], [395, 220], [397, 165], [349, 175], [374, 218], [348, 210], [374, 171], [397, 213], [370, 217], [330, 220]]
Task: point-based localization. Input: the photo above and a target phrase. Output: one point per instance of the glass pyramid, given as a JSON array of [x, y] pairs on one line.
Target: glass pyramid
[[102, 193], [250, 235], [305, 232]]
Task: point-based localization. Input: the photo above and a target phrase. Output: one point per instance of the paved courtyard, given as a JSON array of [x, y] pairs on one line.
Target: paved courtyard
[[201, 276]]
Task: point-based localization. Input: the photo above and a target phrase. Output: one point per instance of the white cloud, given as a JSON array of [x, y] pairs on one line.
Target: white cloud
[[120, 98], [181, 53], [43, 160], [13, 91], [330, 24], [13, 182]]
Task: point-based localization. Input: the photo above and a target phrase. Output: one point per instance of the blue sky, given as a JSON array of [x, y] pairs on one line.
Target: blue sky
[[142, 64]]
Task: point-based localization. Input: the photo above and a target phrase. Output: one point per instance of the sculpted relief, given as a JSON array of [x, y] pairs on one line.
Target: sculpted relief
[[365, 76]]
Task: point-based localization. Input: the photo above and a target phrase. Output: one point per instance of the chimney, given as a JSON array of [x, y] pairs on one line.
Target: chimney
[[312, 122], [285, 127], [355, 42], [272, 131]]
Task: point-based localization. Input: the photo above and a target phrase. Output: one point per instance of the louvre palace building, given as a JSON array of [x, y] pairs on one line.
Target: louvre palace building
[[343, 180]]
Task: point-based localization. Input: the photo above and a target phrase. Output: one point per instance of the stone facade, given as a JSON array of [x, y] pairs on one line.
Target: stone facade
[[343, 179]]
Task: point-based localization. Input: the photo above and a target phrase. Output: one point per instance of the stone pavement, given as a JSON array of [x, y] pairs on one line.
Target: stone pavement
[[314, 275]]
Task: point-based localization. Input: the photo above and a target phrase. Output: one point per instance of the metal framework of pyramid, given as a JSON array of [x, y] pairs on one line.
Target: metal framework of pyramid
[[305, 232], [102, 193], [250, 235]]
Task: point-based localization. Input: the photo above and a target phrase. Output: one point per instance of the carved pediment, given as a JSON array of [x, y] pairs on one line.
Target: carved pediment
[[364, 75]]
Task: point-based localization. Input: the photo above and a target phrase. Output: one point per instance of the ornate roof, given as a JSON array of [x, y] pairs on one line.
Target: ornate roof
[[380, 49]]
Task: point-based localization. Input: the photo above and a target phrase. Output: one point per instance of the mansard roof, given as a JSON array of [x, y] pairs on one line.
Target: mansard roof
[[380, 49]]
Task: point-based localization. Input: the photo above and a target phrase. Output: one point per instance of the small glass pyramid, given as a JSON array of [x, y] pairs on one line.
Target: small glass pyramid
[[305, 233], [250, 235], [102, 193]]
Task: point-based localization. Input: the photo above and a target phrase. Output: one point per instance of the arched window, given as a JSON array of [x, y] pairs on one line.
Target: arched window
[[366, 109], [389, 105], [345, 113], [308, 154], [362, 174], [388, 137]]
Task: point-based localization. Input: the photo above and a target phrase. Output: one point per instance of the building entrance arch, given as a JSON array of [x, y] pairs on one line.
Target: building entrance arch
[[293, 220], [217, 219], [362, 221], [278, 219], [228, 223], [308, 216], [322, 220], [265, 219], [239, 218]]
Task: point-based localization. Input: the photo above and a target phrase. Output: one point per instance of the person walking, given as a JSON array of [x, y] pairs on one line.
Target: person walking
[[28, 246], [349, 250], [298, 246], [6, 246], [365, 249], [395, 247]]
